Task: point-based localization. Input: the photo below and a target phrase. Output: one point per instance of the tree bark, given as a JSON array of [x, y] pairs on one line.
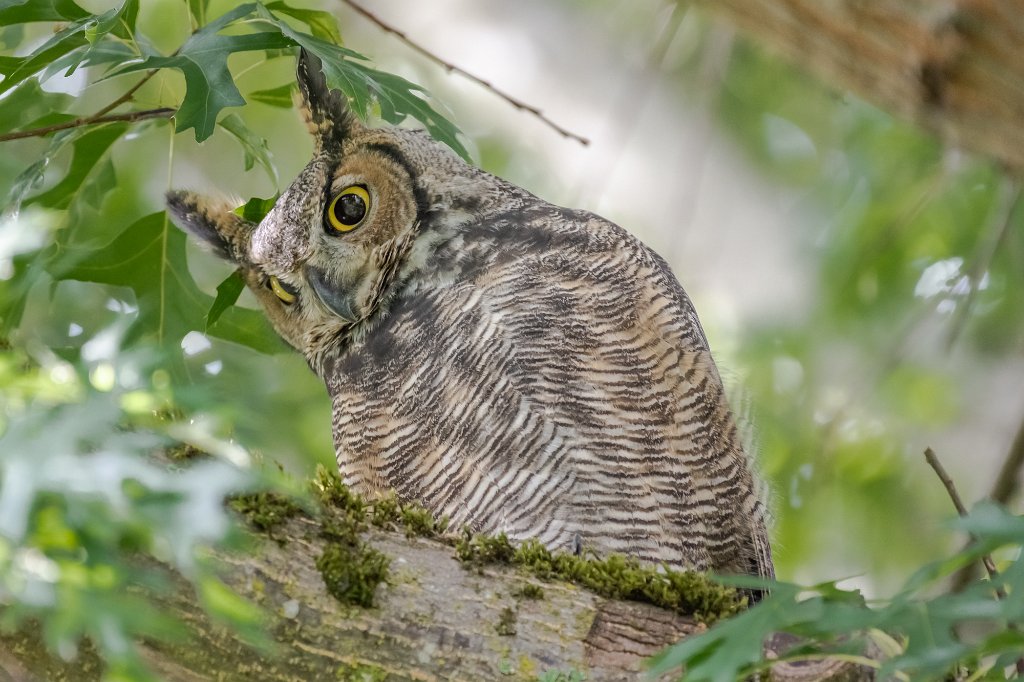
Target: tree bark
[[955, 67], [434, 619]]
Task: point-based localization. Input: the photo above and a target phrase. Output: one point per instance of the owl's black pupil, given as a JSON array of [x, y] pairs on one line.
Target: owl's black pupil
[[349, 209]]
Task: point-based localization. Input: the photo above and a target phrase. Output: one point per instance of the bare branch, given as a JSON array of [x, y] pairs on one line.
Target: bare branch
[[452, 68], [162, 112], [98, 117], [1005, 488], [940, 471]]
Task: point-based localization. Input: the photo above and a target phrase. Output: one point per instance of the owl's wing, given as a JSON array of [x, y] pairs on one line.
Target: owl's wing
[[560, 387]]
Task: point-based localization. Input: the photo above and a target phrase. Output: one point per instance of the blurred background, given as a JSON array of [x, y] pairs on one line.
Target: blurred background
[[861, 285]]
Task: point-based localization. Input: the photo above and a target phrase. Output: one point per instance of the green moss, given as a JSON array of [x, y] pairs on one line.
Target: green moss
[[183, 452], [506, 626], [333, 494], [362, 672], [389, 512], [265, 511], [419, 521], [479, 550], [352, 573], [529, 591], [615, 577], [386, 512], [527, 668], [351, 569]]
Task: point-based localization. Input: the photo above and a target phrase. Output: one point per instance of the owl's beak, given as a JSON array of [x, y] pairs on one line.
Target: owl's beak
[[338, 297]]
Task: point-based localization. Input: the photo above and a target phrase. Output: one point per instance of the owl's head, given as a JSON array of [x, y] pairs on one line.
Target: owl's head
[[366, 215]]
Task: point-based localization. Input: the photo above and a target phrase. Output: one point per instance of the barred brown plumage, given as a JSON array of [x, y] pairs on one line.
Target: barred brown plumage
[[512, 365]]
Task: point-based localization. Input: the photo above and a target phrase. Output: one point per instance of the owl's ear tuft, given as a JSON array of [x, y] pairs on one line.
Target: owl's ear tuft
[[325, 111], [215, 224]]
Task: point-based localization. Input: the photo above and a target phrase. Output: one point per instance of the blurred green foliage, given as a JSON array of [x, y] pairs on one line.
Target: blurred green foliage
[[104, 330], [917, 636], [918, 256], [85, 509], [109, 316]]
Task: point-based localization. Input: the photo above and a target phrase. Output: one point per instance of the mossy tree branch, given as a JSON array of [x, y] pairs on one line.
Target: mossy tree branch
[[433, 618]]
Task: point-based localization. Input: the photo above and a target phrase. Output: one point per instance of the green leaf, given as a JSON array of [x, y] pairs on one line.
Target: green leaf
[[11, 37], [20, 237], [86, 31], [227, 294], [203, 60], [254, 146], [17, 69], [104, 52], [89, 147], [197, 8], [728, 650], [275, 97], [323, 25], [27, 103], [149, 258], [25, 11], [256, 209], [362, 84]]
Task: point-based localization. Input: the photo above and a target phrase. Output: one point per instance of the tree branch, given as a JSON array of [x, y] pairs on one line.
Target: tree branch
[[98, 117], [1005, 488], [986, 560], [162, 112], [434, 618], [126, 96], [947, 481], [452, 68]]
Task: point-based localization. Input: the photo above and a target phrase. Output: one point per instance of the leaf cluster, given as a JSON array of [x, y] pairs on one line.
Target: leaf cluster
[[91, 525], [915, 635], [147, 256]]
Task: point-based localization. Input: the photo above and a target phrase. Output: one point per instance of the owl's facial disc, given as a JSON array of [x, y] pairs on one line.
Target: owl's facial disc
[[369, 207]]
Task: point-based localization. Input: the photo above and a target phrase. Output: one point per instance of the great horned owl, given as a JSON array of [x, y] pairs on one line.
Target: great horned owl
[[515, 366]]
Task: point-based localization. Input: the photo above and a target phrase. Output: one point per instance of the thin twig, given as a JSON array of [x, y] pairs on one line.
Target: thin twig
[[162, 112], [98, 117], [1005, 488], [452, 68], [940, 471], [126, 96], [986, 559]]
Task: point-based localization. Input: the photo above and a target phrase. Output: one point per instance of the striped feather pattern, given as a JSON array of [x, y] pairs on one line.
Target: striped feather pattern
[[564, 394]]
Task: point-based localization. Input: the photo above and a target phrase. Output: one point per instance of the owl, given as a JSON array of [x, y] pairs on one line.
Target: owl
[[515, 366]]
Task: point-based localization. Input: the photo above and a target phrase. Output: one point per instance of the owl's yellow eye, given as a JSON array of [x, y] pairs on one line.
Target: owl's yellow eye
[[348, 209], [287, 297]]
